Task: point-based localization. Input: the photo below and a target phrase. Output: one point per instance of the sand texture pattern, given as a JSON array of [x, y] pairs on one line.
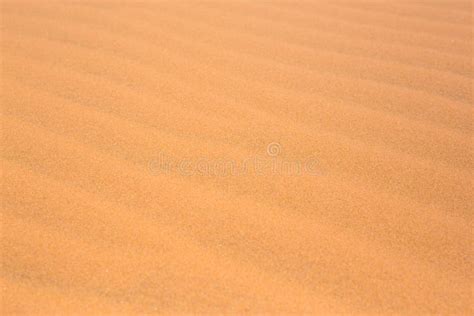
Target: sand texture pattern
[[236, 157]]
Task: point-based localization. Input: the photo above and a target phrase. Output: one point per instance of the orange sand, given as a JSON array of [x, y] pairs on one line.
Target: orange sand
[[377, 93]]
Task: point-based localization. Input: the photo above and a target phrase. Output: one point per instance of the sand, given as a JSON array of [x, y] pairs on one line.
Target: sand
[[236, 157]]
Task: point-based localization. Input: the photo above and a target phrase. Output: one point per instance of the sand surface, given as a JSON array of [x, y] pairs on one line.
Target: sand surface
[[236, 157]]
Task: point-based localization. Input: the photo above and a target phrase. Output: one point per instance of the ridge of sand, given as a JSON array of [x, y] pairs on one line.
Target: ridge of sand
[[377, 94]]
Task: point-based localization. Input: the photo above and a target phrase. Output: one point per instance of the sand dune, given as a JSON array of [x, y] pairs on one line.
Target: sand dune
[[236, 157]]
